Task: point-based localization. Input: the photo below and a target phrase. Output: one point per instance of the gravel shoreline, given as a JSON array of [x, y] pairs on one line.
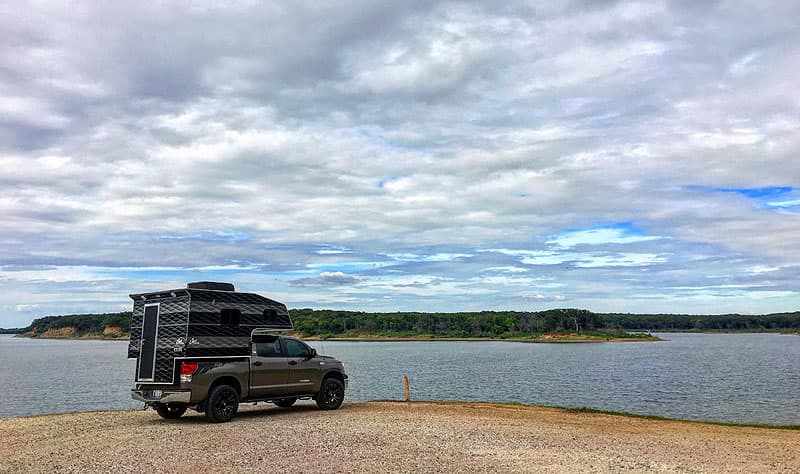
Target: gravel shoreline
[[390, 436]]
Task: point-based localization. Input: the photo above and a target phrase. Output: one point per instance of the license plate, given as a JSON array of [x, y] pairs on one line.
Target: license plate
[[156, 393]]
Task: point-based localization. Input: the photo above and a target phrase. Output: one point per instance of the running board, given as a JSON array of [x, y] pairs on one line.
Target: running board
[[307, 396]]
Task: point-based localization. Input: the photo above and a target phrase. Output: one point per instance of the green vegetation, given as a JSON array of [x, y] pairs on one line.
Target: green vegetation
[[517, 324], [571, 324], [12, 330], [99, 325], [788, 322]]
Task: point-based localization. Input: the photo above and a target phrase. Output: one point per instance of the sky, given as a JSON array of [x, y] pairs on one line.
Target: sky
[[398, 156]]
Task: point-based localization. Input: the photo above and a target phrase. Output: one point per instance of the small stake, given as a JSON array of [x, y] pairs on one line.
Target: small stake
[[406, 389]]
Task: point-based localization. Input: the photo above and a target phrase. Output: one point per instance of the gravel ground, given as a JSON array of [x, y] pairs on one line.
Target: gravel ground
[[389, 436]]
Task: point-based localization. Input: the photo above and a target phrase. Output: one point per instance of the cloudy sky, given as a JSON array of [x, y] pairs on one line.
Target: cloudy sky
[[402, 156]]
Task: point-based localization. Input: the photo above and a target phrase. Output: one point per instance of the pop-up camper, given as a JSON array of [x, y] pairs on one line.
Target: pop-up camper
[[205, 319]]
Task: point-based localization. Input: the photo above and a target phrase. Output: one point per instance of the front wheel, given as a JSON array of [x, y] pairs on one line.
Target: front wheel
[[222, 404], [171, 411], [331, 394]]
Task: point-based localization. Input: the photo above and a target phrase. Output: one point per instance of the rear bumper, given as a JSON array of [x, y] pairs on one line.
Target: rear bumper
[[166, 396]]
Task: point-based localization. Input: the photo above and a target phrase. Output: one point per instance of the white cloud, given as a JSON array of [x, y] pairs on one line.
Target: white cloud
[[598, 237], [745, 64], [763, 269], [542, 298], [437, 257], [144, 144], [621, 260], [507, 269], [784, 204]]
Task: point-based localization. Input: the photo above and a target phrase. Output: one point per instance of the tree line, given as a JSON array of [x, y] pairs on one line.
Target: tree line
[[83, 323], [311, 322], [519, 323]]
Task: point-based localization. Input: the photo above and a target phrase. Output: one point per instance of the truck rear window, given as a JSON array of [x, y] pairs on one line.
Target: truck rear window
[[267, 346]]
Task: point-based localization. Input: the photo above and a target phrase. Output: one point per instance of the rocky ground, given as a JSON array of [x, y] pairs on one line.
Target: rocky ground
[[389, 436]]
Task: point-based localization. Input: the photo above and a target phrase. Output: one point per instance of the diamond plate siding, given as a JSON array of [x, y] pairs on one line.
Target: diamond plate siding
[[252, 315], [172, 323], [217, 330], [202, 334], [165, 365], [230, 297], [136, 329], [213, 339], [217, 351], [218, 345]]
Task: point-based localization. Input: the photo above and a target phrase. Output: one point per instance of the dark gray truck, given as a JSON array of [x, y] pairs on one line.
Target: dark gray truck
[[209, 348]]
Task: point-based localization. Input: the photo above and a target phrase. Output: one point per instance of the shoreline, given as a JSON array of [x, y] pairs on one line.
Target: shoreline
[[380, 436], [460, 403]]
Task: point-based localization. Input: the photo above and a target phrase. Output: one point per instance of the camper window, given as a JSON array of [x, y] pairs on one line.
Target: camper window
[[270, 315], [230, 317]]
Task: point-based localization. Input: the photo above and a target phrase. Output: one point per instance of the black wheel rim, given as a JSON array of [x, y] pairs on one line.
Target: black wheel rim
[[225, 404], [332, 395]]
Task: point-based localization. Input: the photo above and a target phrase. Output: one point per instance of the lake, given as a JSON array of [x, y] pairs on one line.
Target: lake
[[746, 378]]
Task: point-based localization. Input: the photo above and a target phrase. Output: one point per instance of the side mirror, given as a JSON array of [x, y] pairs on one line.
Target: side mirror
[[313, 353]]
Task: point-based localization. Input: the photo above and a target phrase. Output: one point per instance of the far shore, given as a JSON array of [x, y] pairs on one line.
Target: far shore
[[537, 340], [544, 339], [87, 337], [391, 436]]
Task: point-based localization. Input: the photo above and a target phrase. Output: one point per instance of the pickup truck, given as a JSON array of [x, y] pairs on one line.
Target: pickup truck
[[280, 370]]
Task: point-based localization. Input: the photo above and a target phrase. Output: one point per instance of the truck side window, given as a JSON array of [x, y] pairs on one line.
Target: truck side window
[[296, 349], [268, 347], [230, 317]]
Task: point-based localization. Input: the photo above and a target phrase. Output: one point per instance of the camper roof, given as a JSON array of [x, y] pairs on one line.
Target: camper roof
[[191, 289], [210, 285]]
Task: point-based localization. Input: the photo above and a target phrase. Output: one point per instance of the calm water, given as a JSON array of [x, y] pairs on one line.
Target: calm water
[[753, 378]]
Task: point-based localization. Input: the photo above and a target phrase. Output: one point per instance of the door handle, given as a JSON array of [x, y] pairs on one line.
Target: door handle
[[257, 364], [292, 362]]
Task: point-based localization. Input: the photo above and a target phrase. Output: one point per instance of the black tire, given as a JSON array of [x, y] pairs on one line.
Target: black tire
[[285, 402], [171, 411], [331, 394], [222, 404]]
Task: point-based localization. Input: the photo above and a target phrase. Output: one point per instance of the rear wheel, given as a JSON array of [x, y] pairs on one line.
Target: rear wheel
[[285, 402], [331, 394], [171, 411], [222, 404]]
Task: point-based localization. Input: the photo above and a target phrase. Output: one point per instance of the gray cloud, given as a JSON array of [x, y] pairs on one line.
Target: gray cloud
[[140, 136], [326, 278]]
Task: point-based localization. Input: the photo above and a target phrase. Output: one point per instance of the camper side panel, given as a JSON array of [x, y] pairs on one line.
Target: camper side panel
[[212, 333], [171, 334], [136, 329]]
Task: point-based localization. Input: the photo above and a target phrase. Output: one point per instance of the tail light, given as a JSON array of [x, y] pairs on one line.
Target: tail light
[[187, 369]]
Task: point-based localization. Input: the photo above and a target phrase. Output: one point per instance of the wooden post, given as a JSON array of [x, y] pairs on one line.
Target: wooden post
[[406, 389]]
